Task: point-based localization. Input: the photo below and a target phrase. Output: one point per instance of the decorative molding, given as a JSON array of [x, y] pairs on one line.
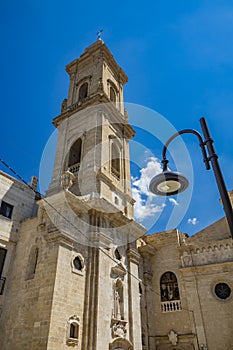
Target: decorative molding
[[118, 328], [118, 271], [172, 336], [133, 256]]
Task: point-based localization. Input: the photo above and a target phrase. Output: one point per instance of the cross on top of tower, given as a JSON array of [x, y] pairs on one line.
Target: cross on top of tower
[[100, 31]]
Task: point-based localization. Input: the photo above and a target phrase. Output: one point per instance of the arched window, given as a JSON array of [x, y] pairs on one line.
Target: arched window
[[83, 91], [75, 156], [73, 330], [169, 287], [77, 263], [32, 262], [115, 161], [112, 94]]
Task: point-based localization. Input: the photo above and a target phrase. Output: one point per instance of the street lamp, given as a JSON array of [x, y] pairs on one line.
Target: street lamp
[[169, 183]]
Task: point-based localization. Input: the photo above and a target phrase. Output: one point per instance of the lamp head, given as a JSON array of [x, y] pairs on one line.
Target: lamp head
[[168, 183]]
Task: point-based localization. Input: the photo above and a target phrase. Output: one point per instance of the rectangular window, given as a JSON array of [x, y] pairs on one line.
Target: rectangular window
[[6, 209]]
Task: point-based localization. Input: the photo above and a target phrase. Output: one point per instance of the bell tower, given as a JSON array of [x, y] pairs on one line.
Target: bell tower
[[94, 134], [93, 223]]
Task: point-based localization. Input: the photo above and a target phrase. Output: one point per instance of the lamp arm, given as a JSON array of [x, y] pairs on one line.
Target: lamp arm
[[185, 131]]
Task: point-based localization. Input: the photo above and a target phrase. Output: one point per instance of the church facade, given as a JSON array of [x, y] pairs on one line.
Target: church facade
[[74, 272]]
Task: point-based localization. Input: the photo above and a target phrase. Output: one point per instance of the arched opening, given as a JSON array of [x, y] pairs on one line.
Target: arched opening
[[75, 156], [83, 91], [169, 287], [74, 330], [117, 254], [112, 95], [120, 344], [115, 161], [77, 263], [118, 300]]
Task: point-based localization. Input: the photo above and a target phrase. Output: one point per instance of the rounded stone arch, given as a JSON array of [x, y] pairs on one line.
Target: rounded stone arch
[[120, 344], [113, 91], [112, 94], [73, 156], [115, 157], [83, 91], [169, 289], [73, 326], [75, 152]]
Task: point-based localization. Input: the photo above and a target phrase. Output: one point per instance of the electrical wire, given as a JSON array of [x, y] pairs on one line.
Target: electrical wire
[[70, 223]]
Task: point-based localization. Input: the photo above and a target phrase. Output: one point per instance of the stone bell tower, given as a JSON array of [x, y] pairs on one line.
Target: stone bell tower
[[74, 279], [75, 282], [90, 186], [94, 133]]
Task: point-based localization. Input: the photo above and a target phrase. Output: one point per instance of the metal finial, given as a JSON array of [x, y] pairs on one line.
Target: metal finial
[[99, 33]]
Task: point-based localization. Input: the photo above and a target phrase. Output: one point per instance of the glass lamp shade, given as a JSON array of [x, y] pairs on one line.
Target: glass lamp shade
[[168, 183]]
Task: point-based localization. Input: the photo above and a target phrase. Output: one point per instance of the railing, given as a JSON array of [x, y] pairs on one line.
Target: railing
[[74, 169], [115, 173], [2, 284], [170, 306]]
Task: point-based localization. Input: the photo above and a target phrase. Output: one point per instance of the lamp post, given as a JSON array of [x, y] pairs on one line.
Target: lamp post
[[170, 183]]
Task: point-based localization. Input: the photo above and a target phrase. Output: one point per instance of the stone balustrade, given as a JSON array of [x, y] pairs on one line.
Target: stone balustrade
[[171, 306]]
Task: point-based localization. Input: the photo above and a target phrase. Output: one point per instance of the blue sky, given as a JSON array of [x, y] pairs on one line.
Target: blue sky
[[177, 54]]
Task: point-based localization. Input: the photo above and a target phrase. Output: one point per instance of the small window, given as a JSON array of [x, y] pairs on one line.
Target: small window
[[83, 92], [117, 254], [222, 290], [74, 330], [6, 209], [78, 263]]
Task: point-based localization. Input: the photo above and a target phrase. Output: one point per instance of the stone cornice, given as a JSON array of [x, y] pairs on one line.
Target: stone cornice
[[133, 256], [105, 54], [101, 99]]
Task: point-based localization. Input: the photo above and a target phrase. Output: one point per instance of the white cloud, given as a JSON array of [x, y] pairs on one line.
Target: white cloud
[[173, 201], [146, 203], [192, 221], [153, 167]]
